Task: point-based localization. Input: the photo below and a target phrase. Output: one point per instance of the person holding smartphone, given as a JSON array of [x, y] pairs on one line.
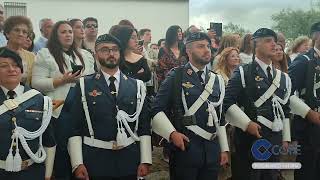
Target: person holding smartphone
[[56, 70], [133, 65]]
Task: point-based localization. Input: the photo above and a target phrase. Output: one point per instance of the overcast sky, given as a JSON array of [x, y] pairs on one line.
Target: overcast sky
[[250, 14]]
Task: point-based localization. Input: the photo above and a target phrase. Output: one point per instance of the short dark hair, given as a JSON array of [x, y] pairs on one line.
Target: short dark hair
[[142, 31], [73, 21], [89, 19], [12, 21], [123, 33], [126, 23], [160, 40]]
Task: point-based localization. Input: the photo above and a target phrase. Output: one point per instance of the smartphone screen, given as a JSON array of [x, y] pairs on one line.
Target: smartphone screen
[[140, 43], [76, 68], [217, 27]]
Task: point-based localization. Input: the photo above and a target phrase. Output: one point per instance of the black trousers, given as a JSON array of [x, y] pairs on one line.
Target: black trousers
[[242, 158], [310, 161], [34, 172], [199, 162]]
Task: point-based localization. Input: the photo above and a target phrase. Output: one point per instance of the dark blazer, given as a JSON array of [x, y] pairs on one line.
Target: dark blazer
[[102, 109], [164, 102], [236, 94], [29, 120], [303, 130]]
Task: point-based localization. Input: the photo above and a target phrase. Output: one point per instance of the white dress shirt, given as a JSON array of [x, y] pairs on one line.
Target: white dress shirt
[[203, 75], [264, 66], [18, 90], [116, 82]]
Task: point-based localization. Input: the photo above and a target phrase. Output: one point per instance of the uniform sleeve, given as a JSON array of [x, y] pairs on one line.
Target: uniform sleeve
[[41, 79], [233, 90], [77, 114], [48, 137], [145, 119], [164, 95], [286, 107], [297, 72]]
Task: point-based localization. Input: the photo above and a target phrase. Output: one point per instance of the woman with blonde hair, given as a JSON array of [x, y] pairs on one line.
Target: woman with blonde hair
[[299, 45], [229, 59], [228, 40]]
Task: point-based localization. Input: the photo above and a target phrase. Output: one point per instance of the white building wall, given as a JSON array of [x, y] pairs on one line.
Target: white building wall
[[154, 14]]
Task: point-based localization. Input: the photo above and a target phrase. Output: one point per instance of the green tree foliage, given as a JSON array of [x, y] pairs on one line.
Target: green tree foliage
[[294, 23], [234, 28]]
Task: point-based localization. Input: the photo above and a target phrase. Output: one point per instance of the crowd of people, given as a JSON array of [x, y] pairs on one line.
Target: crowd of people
[[78, 105]]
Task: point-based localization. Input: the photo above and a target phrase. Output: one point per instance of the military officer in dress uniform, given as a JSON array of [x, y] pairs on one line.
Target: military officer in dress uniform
[[265, 95], [305, 75], [27, 146], [187, 112], [111, 136]]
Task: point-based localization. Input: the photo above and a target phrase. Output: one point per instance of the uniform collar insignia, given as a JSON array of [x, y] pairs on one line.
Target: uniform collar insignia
[[98, 76], [189, 72], [95, 93], [258, 78], [125, 77], [317, 68], [187, 85]]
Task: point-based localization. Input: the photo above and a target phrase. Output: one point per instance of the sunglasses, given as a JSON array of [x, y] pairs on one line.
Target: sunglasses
[[91, 26]]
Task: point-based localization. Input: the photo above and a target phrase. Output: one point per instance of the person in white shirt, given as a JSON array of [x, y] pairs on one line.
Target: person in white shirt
[[45, 26], [55, 72]]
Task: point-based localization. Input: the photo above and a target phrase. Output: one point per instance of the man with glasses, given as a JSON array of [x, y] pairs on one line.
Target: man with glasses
[[111, 121], [91, 32]]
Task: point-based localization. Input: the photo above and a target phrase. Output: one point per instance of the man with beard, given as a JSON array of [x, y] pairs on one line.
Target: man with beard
[[187, 113], [110, 138]]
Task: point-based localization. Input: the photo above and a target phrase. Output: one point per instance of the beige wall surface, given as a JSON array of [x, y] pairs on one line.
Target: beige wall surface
[[157, 15]]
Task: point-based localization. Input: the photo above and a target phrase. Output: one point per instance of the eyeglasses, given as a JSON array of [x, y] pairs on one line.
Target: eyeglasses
[[108, 50], [19, 30], [92, 26], [8, 66]]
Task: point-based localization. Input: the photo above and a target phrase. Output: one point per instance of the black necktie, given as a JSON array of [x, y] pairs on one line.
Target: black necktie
[[112, 87], [200, 78], [11, 94], [269, 74]]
